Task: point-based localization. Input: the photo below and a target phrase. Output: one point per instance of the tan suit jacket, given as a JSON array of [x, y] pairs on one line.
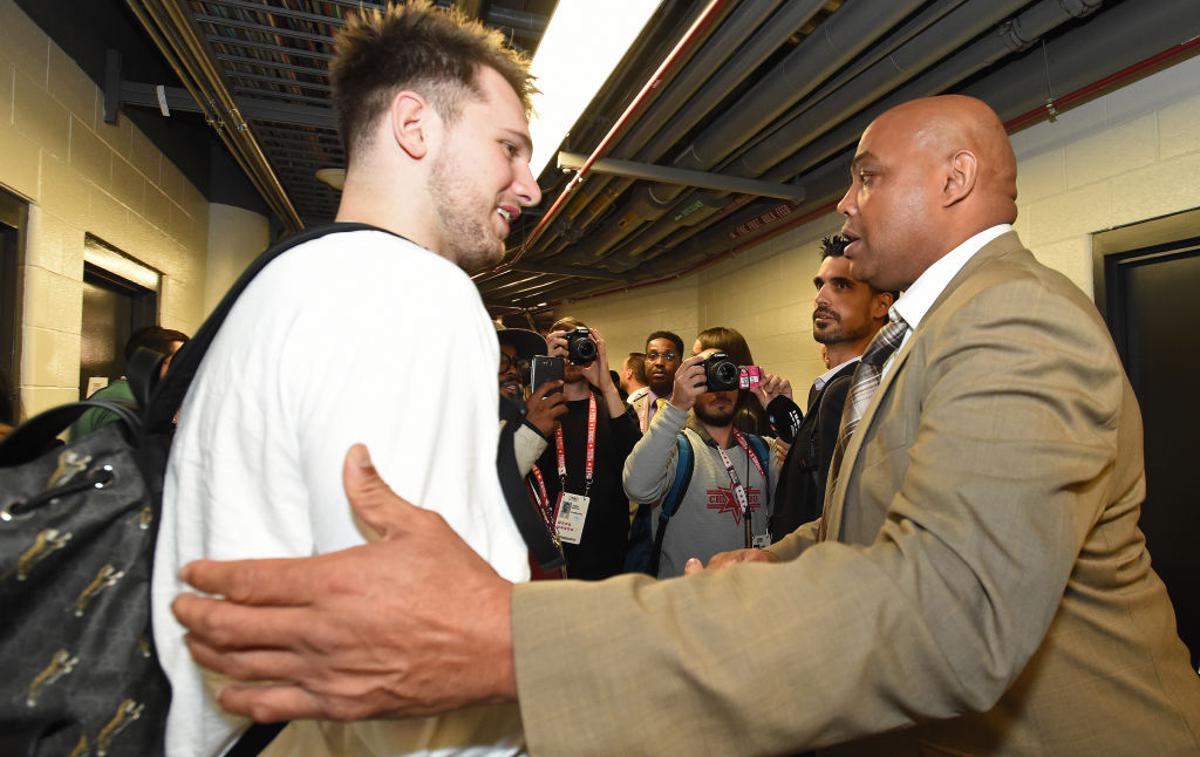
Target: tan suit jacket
[[981, 586]]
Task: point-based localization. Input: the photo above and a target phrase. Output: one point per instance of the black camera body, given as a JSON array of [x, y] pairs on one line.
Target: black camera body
[[720, 372], [581, 350]]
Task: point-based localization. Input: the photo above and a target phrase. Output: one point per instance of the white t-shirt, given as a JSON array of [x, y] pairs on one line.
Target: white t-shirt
[[353, 337]]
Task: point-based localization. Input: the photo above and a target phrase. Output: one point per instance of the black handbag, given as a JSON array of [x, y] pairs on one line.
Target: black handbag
[[77, 528]]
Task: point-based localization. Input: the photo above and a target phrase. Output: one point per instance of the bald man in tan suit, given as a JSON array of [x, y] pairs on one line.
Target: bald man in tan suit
[[977, 584]]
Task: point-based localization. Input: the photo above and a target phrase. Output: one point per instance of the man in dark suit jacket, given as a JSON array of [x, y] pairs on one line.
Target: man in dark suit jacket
[[977, 584], [847, 313]]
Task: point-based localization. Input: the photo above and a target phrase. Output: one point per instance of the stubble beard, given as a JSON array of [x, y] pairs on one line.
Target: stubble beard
[[467, 241], [719, 421]]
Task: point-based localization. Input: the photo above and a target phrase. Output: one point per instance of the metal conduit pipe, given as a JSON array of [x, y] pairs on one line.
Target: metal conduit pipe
[[713, 54], [718, 86], [967, 22], [927, 17], [172, 34], [703, 94], [682, 51], [932, 43], [619, 84], [1011, 36], [1014, 35], [845, 34], [1132, 33]]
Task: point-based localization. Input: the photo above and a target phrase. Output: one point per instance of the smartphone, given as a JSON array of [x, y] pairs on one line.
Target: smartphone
[[749, 376], [545, 369]]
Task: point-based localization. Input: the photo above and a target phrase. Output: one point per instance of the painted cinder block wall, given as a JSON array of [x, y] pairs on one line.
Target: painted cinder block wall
[[82, 176], [1129, 156]]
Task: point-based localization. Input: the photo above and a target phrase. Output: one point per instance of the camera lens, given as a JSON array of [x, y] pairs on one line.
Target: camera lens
[[586, 349], [726, 373]]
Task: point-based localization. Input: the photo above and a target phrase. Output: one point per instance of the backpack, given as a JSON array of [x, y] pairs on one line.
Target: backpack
[[644, 551], [78, 524]]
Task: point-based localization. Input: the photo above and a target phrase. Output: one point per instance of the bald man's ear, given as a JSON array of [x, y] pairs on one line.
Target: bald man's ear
[[880, 304], [410, 116], [960, 179]]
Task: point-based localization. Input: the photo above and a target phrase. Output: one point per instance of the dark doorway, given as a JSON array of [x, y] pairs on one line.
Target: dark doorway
[[13, 212], [1150, 298], [113, 308]]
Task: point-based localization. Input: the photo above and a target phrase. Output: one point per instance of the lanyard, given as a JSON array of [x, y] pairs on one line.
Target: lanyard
[[548, 509], [739, 491], [590, 465]]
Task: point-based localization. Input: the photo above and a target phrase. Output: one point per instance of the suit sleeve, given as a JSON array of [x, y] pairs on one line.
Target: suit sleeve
[[933, 619]]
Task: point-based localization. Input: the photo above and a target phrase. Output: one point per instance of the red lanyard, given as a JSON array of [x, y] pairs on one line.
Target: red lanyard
[[589, 470], [549, 510], [739, 491]]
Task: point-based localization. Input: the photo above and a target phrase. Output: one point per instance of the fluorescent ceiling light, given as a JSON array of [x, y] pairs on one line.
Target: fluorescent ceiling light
[[582, 44]]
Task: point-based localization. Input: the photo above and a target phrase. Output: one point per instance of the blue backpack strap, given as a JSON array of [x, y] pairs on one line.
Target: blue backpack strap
[[762, 451], [685, 463]]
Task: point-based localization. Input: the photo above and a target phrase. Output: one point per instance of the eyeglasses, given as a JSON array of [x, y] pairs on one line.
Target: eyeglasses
[[512, 361], [654, 357]]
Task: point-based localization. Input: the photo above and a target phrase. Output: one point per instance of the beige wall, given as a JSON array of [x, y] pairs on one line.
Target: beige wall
[[83, 176], [235, 237], [1127, 157]]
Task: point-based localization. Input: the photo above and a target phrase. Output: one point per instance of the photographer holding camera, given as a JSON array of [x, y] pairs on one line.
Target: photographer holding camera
[[725, 502], [578, 477]]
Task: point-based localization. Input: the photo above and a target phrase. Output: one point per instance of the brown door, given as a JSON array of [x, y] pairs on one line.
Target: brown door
[[113, 308]]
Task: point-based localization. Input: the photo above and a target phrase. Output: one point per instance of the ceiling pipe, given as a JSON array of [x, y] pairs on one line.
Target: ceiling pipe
[[729, 38], [832, 45], [697, 32], [1015, 35], [920, 50], [751, 55], [172, 33], [1126, 21]]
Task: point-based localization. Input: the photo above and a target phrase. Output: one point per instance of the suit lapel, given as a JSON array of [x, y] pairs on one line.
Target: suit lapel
[[836, 499], [833, 513]]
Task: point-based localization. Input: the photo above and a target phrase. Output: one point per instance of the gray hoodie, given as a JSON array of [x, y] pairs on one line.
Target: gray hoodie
[[708, 520]]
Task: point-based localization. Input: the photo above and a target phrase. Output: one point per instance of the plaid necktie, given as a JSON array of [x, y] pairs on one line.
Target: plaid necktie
[[862, 387], [867, 376]]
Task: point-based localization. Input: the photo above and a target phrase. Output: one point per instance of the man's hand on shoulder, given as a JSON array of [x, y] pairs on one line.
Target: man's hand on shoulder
[[413, 623]]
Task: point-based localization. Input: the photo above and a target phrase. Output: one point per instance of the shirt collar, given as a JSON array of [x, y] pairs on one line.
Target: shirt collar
[[918, 298], [820, 381]]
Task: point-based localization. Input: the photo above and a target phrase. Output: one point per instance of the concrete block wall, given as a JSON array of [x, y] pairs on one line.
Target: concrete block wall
[[82, 176], [627, 318], [1129, 156]]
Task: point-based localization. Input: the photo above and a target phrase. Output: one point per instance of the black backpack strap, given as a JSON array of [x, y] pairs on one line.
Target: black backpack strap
[[255, 739], [529, 522], [34, 437], [170, 392]]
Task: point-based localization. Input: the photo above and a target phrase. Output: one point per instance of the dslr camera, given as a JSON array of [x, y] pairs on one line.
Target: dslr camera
[[722, 374], [581, 350]]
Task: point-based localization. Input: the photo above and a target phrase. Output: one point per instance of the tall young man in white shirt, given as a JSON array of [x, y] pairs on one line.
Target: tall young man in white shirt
[[432, 111]]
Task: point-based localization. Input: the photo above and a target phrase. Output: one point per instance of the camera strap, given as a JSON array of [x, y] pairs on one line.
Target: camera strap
[[589, 470]]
